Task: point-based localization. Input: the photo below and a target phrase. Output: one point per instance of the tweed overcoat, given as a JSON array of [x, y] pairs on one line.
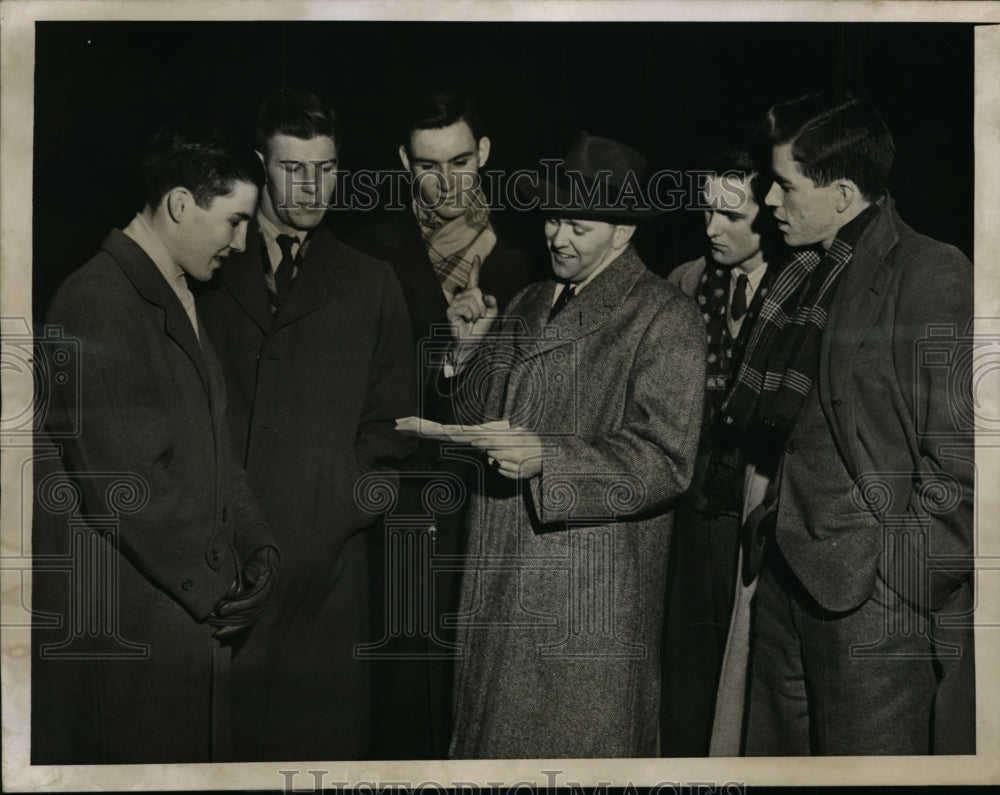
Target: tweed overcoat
[[143, 406], [314, 392], [562, 600]]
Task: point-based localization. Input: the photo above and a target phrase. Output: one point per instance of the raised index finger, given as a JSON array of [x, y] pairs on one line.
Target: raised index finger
[[473, 281]]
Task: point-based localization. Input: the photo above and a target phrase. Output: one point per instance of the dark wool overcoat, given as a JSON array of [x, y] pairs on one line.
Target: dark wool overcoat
[[562, 600], [412, 689], [128, 672], [314, 393]]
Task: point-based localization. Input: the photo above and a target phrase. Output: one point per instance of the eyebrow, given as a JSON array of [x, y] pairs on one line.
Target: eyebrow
[[460, 156], [292, 161]]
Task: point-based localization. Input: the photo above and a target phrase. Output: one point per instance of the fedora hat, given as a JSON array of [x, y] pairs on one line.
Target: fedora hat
[[599, 179]]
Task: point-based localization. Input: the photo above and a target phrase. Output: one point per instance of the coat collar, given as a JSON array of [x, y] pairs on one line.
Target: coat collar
[[589, 310], [315, 285], [153, 287]]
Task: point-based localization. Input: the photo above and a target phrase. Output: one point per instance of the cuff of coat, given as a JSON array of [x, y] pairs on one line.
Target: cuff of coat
[[252, 538], [583, 498]]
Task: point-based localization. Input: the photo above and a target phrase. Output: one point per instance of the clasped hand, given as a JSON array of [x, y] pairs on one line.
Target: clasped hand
[[515, 454], [249, 595]]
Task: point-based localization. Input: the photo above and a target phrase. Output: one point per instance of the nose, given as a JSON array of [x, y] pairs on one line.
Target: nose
[[712, 224], [557, 236], [311, 186], [773, 197], [239, 241]]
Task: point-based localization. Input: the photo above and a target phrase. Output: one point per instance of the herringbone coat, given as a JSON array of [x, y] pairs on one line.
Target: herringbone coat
[[562, 602]]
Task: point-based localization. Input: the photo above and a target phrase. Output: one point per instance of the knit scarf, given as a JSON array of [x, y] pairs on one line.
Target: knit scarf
[[453, 246], [781, 360]]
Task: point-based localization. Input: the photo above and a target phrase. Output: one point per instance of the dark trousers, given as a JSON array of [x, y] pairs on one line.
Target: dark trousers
[[699, 602], [861, 682]]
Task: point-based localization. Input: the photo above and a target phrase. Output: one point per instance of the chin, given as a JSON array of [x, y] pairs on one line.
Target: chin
[[306, 220]]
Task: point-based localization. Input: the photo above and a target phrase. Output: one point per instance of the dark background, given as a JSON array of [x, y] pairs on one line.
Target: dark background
[[101, 89]]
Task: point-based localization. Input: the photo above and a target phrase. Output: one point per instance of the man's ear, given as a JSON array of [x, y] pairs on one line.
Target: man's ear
[[622, 235], [177, 202], [484, 150], [847, 194], [263, 161], [403, 158]]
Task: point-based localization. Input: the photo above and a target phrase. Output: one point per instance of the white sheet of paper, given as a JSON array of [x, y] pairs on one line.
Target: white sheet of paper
[[428, 429]]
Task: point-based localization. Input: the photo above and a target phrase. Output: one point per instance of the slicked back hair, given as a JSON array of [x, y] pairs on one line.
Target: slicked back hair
[[297, 112]]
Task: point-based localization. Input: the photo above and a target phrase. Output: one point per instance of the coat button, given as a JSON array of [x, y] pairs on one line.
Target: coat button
[[215, 556], [790, 449], [187, 585]]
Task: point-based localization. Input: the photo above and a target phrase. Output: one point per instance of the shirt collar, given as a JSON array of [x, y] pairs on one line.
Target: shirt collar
[[580, 285], [753, 278], [271, 231]]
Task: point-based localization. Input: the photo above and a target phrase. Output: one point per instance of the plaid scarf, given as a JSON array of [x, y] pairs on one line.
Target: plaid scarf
[[782, 354], [453, 246]]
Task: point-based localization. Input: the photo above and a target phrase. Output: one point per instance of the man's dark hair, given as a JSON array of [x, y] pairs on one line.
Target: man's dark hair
[[297, 112], [198, 157], [441, 109], [739, 148], [835, 139], [743, 149]]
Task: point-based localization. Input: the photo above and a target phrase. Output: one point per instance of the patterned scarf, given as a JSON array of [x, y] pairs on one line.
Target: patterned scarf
[[782, 353], [722, 484], [453, 246]]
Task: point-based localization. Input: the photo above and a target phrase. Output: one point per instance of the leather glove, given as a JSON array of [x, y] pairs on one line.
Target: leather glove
[[248, 597]]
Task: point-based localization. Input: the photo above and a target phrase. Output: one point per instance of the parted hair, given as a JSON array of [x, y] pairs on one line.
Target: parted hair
[[835, 138]]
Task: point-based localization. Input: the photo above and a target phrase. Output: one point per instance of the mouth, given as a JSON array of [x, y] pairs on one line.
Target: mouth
[[561, 255]]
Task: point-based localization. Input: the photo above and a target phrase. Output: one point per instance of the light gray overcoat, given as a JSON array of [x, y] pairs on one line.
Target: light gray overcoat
[[562, 599]]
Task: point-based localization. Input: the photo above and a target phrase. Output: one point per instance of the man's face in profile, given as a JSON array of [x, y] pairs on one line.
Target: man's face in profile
[[211, 233], [445, 164]]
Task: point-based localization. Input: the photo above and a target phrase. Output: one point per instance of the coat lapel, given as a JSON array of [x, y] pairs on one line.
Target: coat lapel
[[317, 280], [421, 278], [150, 284], [242, 275], [852, 317], [587, 312]]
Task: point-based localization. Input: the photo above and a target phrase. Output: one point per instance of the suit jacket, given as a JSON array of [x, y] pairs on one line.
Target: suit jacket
[[562, 600], [314, 392], [145, 405], [895, 389], [893, 383]]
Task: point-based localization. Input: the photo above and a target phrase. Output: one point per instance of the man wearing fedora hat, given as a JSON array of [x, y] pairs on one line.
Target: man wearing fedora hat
[[600, 372]]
